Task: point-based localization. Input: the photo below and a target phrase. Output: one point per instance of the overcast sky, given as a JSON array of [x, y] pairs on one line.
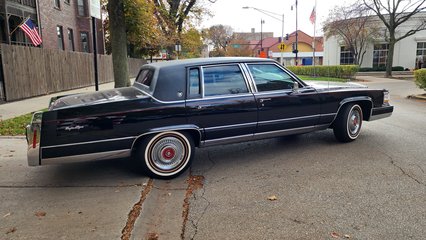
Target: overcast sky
[[230, 12]]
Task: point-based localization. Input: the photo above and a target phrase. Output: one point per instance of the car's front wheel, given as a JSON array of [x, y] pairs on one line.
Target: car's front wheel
[[165, 155], [347, 125]]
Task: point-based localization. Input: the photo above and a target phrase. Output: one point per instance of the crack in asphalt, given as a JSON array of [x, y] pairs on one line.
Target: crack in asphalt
[[195, 223], [135, 212], [407, 174], [402, 169]]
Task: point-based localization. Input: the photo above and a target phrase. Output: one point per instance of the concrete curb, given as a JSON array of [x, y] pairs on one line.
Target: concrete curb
[[419, 96]]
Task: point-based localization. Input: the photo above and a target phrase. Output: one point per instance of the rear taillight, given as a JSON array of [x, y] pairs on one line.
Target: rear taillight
[[35, 138]]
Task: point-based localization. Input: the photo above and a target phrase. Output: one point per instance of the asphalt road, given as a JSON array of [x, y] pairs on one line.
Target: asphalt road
[[373, 188]]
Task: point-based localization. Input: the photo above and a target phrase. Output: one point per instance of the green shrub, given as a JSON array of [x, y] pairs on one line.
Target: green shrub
[[420, 76], [338, 71]]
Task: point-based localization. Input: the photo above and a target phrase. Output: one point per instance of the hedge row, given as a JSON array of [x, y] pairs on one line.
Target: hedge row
[[380, 69], [420, 76], [338, 71]]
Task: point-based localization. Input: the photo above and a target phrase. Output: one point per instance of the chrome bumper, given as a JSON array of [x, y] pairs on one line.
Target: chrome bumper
[[381, 112], [33, 133]]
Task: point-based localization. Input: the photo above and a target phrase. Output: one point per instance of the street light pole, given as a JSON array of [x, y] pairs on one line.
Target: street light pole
[[297, 47], [276, 18], [261, 35]]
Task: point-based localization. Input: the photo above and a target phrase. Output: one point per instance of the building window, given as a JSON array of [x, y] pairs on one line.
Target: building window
[[84, 37], [421, 55], [346, 56], [380, 55], [71, 39], [81, 8], [57, 4], [60, 35]]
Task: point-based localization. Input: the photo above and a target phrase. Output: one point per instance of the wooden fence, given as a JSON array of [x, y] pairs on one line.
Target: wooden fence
[[30, 72]]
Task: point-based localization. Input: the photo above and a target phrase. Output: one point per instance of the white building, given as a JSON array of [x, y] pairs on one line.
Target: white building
[[407, 51]]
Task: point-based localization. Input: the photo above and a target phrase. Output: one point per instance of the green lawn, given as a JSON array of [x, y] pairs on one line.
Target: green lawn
[[304, 77], [15, 126]]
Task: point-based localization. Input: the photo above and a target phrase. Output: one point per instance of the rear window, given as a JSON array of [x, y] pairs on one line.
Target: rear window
[[145, 77]]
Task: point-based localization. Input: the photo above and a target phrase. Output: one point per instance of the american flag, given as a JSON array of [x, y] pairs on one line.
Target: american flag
[[31, 31], [313, 16]]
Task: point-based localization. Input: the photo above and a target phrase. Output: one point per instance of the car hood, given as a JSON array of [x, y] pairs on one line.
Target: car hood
[[113, 95], [324, 85]]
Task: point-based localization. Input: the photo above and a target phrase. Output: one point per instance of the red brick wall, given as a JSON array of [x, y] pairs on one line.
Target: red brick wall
[[67, 17]]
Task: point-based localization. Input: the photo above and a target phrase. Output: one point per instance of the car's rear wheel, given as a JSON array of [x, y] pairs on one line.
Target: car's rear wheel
[[347, 125], [165, 155]]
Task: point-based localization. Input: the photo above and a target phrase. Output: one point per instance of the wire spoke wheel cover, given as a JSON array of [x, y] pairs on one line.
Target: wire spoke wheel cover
[[168, 153], [354, 122], [347, 125]]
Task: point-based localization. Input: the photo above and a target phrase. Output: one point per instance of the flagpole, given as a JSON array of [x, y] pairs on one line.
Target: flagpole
[[10, 34]]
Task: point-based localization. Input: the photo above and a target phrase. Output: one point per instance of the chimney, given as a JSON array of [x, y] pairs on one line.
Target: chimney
[[253, 30]]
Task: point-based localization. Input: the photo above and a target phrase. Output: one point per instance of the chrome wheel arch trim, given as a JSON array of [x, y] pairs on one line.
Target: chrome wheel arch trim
[[354, 99], [170, 129]]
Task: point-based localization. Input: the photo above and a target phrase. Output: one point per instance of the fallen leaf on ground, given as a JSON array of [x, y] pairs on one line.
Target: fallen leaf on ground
[[272, 198], [12, 230], [40, 214], [7, 215], [335, 235]]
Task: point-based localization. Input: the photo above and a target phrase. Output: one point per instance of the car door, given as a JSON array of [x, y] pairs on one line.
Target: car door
[[219, 102], [285, 104]]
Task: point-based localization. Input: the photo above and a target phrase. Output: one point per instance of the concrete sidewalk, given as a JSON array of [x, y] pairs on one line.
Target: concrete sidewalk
[[21, 107]]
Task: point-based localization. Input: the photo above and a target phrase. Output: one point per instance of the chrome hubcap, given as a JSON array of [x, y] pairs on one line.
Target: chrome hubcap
[[354, 122], [168, 153]]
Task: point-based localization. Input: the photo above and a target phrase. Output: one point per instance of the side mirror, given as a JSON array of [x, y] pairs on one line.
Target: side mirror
[[295, 86]]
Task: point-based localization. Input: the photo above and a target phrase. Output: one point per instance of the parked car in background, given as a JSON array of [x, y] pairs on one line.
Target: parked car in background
[[174, 107]]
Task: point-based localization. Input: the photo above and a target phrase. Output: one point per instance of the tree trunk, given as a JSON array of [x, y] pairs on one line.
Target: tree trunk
[[389, 61], [118, 43]]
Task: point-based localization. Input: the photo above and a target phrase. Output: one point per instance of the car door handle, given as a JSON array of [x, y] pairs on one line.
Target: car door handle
[[264, 100], [203, 106]]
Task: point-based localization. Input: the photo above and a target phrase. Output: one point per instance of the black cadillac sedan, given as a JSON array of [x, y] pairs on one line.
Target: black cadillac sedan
[[174, 107]]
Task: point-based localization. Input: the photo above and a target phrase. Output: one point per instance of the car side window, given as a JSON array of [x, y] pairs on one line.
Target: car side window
[[224, 80], [145, 77], [194, 83], [269, 77]]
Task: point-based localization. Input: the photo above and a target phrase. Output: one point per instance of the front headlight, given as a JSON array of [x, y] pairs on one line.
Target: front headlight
[[386, 97]]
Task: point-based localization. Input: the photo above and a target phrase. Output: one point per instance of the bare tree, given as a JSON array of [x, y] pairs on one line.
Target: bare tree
[[353, 25], [219, 36], [393, 14]]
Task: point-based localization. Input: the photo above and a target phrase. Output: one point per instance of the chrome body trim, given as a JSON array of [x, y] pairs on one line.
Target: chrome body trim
[[161, 101], [291, 131], [221, 97], [87, 157], [230, 126], [263, 135], [226, 140], [82, 143], [289, 119]]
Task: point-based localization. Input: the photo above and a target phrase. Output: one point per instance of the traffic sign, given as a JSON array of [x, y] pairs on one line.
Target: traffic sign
[[282, 47]]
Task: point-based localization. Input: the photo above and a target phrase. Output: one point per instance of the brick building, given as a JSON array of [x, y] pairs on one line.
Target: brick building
[[63, 24]]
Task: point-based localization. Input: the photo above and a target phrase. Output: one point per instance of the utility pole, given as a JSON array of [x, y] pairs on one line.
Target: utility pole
[[297, 47]]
